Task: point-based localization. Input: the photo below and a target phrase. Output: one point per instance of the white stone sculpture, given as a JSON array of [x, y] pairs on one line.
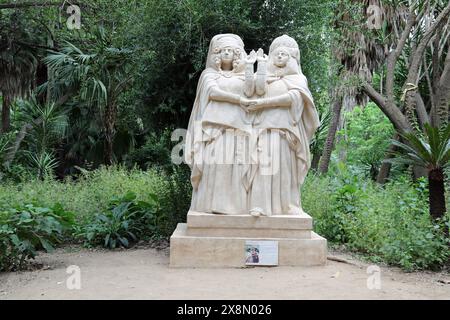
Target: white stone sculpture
[[249, 135]]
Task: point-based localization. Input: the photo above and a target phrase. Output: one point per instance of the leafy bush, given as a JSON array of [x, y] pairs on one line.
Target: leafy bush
[[389, 223], [26, 229], [365, 139], [126, 221], [156, 152], [89, 194], [10, 171], [93, 191], [176, 200]]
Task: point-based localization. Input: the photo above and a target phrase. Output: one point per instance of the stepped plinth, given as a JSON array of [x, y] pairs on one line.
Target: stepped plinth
[[215, 240]]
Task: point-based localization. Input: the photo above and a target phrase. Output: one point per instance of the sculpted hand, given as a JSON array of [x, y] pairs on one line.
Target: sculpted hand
[[256, 105], [251, 58], [261, 56], [245, 103]]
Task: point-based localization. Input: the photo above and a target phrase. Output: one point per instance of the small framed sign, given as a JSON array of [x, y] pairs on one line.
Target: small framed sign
[[261, 253]]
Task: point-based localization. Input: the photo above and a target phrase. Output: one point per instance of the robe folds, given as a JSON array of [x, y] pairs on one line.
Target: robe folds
[[214, 147], [241, 161], [282, 154]]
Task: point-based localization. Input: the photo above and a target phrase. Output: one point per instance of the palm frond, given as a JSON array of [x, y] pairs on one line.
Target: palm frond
[[431, 150], [44, 163]]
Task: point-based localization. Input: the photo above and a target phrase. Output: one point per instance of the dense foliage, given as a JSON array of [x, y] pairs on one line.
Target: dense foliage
[[126, 221], [389, 223], [365, 138], [117, 207], [27, 228], [88, 116], [131, 71]]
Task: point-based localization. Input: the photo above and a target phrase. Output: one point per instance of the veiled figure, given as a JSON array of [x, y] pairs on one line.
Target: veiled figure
[[248, 139], [214, 148], [284, 120]]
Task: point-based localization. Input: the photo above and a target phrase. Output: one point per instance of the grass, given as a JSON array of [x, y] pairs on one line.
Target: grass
[[88, 195]]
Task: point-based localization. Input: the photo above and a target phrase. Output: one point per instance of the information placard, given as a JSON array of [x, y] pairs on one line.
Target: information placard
[[261, 253]]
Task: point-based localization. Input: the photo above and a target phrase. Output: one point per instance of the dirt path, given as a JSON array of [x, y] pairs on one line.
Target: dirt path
[[144, 274]]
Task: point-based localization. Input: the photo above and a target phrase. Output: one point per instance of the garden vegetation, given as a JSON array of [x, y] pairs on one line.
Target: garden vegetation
[[88, 115]]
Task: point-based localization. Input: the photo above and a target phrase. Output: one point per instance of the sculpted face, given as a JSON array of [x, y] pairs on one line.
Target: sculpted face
[[281, 57], [227, 54]]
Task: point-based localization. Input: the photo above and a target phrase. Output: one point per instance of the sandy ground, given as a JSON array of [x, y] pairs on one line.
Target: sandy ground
[[145, 274]]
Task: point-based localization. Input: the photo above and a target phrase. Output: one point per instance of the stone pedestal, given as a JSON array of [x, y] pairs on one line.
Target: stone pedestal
[[212, 240]]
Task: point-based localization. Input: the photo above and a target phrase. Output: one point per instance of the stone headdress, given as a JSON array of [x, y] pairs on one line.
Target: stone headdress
[[289, 43], [293, 65], [221, 41]]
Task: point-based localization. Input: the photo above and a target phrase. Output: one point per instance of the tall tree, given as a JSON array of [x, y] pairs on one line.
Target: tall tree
[[98, 75], [354, 55], [18, 62], [409, 47], [331, 136], [191, 24], [431, 151]]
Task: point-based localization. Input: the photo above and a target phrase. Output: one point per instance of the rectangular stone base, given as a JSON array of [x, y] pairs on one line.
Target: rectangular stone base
[[246, 226], [286, 222], [196, 245]]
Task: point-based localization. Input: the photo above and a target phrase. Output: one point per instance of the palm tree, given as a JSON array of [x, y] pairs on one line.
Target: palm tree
[[354, 54], [99, 74], [431, 151], [4, 146], [320, 136], [48, 127], [331, 135], [18, 65], [51, 127]]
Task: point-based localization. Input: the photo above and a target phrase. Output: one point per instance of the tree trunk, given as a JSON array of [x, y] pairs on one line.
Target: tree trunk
[[386, 166], [110, 124], [315, 161], [329, 143], [440, 112], [6, 113], [383, 174], [373, 172], [436, 193]]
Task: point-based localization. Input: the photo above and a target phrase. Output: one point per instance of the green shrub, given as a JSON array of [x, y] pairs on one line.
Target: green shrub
[[126, 221], [387, 223], [90, 193], [176, 201], [26, 229], [365, 139], [156, 152]]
